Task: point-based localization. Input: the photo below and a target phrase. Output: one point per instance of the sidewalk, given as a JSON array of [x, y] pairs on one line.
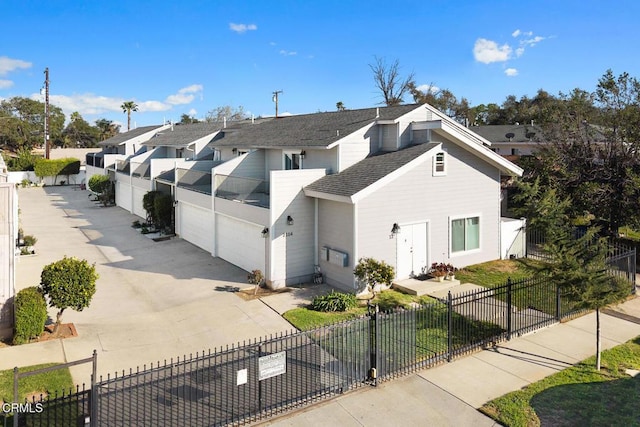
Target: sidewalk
[[449, 394]]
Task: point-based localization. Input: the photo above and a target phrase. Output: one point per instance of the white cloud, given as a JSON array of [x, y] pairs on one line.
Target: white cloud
[[516, 33], [511, 72], [192, 112], [488, 51], [288, 53], [185, 95], [532, 42], [242, 28], [5, 84], [519, 52], [428, 88], [7, 65]]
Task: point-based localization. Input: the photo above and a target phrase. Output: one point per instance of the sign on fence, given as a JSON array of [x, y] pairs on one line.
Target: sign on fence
[[272, 365]]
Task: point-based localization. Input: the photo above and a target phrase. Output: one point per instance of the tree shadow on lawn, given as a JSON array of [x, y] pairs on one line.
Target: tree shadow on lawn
[[607, 403]]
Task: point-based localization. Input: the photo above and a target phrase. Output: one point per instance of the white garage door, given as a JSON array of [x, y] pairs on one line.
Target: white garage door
[[240, 243], [138, 207], [196, 226], [123, 195]]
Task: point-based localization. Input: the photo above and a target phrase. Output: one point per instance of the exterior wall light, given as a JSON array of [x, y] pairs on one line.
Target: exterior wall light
[[289, 220], [395, 229], [265, 232]]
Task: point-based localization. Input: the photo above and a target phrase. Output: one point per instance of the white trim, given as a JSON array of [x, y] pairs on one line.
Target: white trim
[[452, 218], [326, 196], [435, 163], [354, 259]]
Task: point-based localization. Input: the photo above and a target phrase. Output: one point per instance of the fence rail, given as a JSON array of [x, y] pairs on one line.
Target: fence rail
[[257, 379]]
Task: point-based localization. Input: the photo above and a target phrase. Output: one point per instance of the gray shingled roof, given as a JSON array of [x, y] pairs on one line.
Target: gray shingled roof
[[307, 130], [498, 133], [125, 136], [183, 135], [368, 171]]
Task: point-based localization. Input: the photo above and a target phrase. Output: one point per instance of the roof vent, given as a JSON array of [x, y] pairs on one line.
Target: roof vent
[[377, 112]]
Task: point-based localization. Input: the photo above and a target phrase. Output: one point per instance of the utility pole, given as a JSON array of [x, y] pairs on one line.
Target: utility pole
[[275, 99], [46, 113]]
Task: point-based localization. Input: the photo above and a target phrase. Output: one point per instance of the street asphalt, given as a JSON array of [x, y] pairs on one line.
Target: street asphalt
[[160, 300]]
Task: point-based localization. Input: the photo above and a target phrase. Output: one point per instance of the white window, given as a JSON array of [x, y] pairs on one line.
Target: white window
[[440, 164], [292, 161], [465, 234]]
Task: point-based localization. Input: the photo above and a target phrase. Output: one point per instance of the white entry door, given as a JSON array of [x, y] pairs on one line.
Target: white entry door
[[411, 250]]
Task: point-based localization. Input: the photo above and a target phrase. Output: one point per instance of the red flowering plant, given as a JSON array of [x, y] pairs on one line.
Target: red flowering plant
[[440, 269]]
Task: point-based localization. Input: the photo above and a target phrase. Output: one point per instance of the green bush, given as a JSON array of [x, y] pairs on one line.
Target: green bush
[[30, 240], [24, 162], [148, 204], [163, 209], [48, 167], [30, 315], [373, 272], [334, 301], [99, 183]]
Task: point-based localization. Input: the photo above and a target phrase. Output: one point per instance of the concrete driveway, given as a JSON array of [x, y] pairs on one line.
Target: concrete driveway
[[154, 300]]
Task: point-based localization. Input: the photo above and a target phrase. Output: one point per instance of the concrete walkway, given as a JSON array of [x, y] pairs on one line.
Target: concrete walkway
[[154, 300]]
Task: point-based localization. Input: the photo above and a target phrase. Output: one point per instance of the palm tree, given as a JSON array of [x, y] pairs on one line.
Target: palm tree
[[128, 107]]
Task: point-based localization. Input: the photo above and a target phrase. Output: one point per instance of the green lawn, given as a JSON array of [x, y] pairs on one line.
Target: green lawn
[[579, 395], [495, 273], [305, 319], [49, 382]]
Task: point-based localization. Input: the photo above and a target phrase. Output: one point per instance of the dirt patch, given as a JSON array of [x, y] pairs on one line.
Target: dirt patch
[[251, 294], [503, 266], [66, 330]]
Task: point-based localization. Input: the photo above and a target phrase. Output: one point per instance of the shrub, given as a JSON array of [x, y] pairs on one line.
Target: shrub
[[30, 315], [25, 183], [98, 183], [47, 167], [148, 203], [373, 272], [163, 209], [69, 283], [255, 277], [29, 240], [334, 301]]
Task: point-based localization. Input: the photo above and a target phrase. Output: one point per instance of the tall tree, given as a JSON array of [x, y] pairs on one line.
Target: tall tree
[[186, 119], [79, 133], [579, 267], [340, 106], [107, 129], [22, 123], [225, 112], [128, 107], [388, 81]]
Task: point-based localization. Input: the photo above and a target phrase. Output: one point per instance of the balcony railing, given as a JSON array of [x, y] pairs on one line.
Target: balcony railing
[[142, 170], [246, 190], [123, 166], [95, 159], [194, 180]]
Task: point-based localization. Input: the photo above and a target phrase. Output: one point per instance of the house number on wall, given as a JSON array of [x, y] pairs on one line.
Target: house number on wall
[[288, 233]]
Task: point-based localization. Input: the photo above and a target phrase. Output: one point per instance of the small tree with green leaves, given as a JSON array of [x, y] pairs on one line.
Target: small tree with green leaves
[[372, 272], [68, 283], [579, 266]]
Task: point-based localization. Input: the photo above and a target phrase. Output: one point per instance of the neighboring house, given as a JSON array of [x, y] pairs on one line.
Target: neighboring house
[[119, 148], [176, 146], [8, 236], [511, 140]]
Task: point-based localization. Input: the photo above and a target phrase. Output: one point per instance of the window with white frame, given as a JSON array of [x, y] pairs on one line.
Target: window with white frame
[[465, 234], [292, 161], [440, 164]]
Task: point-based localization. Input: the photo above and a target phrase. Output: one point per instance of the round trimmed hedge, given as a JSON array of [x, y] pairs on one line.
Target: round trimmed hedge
[[31, 315]]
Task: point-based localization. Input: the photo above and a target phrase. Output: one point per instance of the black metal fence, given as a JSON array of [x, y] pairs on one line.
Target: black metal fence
[[255, 380]]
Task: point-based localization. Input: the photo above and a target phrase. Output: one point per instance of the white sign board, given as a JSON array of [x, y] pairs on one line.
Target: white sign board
[[272, 365], [241, 377]]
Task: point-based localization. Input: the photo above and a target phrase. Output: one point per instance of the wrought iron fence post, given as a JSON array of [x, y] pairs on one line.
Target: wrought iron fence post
[[373, 342], [449, 326], [15, 395], [93, 408], [260, 402], [558, 307], [509, 306]]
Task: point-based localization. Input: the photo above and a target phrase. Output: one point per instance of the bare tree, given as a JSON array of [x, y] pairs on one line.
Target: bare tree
[[388, 81]]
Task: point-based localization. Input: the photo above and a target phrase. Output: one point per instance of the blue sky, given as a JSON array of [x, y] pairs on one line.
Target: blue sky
[[179, 57]]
